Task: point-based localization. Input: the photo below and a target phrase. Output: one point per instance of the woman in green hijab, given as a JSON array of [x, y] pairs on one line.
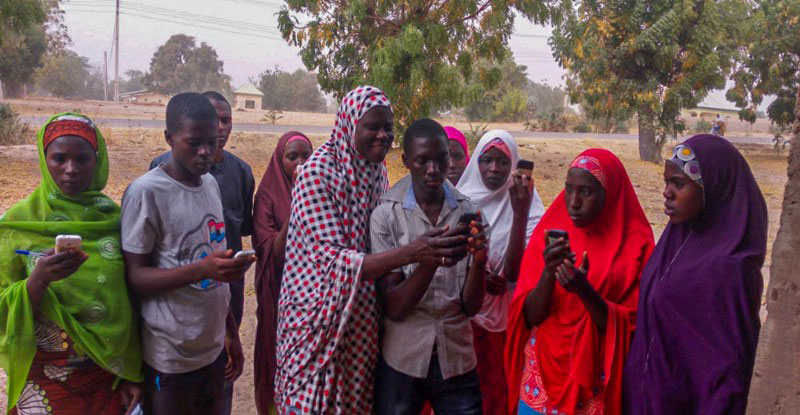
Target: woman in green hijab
[[67, 330]]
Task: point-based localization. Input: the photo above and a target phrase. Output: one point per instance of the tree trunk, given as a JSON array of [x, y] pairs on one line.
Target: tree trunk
[[775, 387], [649, 148]]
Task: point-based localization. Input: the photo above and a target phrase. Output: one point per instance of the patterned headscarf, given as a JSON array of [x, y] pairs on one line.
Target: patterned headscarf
[[328, 317], [592, 165], [686, 160], [72, 125]]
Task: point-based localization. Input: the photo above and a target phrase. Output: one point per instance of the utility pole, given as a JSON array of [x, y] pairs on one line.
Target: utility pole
[[105, 76], [116, 55]]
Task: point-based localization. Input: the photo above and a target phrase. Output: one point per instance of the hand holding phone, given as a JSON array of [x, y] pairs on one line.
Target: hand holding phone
[[68, 243], [556, 249], [525, 168], [246, 253], [466, 220], [552, 235]]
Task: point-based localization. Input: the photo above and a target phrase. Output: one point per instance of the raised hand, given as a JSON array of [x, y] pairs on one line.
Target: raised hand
[[521, 193], [555, 254], [571, 278], [477, 243]]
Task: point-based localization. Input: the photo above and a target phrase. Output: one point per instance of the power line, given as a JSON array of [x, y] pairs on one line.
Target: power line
[[195, 18], [175, 20]]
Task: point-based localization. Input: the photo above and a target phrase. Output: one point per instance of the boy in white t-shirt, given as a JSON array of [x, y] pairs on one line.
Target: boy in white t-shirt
[[173, 240]]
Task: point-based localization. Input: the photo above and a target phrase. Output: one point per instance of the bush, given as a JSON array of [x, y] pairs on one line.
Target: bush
[[582, 127], [474, 135], [12, 129], [702, 126]]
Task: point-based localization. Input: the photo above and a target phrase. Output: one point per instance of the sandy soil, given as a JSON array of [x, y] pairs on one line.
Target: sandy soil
[[132, 150]]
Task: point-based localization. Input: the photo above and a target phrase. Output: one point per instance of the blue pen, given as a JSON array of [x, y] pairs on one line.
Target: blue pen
[[29, 253]]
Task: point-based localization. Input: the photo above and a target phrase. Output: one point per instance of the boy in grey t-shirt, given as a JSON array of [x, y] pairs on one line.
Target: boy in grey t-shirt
[[177, 262]]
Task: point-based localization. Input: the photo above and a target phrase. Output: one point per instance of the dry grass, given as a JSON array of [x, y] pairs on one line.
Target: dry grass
[[132, 149]]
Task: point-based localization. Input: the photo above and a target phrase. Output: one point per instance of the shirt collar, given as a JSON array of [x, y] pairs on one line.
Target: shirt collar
[[410, 201]]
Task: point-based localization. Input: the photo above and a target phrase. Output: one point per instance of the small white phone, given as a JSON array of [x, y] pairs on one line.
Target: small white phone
[[245, 253], [68, 243]]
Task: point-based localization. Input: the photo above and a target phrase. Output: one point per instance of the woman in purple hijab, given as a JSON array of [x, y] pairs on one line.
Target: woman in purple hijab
[[698, 320]]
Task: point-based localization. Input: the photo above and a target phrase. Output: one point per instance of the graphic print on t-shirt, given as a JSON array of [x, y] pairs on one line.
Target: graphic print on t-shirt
[[200, 242]]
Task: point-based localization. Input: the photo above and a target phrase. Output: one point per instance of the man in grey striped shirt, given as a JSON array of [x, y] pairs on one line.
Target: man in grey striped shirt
[[427, 352]]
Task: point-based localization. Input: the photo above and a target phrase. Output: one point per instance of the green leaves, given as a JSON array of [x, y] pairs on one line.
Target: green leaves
[[653, 57], [768, 61], [63, 75], [420, 52], [179, 65]]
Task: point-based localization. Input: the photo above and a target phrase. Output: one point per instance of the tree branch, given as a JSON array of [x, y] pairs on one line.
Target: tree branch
[[473, 15]]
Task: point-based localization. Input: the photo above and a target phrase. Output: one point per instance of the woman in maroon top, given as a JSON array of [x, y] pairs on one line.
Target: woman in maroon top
[[270, 222]]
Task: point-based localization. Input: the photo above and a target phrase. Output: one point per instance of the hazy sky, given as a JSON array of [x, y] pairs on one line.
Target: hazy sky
[[244, 34]]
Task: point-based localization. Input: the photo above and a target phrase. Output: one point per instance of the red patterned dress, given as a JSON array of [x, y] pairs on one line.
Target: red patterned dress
[[62, 381], [328, 316]]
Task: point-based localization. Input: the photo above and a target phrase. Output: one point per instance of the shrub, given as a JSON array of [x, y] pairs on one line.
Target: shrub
[[702, 126], [12, 129], [474, 135], [582, 127]]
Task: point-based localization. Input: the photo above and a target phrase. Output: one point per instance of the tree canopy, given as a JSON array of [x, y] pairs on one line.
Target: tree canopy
[[420, 52], [20, 55], [64, 74], [290, 91], [769, 62], [179, 65], [648, 57], [502, 91], [18, 15], [28, 30]]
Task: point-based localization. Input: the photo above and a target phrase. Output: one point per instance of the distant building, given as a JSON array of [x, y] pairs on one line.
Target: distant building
[[144, 97], [248, 97], [710, 113]]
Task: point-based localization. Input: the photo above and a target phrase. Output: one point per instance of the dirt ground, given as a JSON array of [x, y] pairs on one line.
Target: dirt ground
[[131, 151]]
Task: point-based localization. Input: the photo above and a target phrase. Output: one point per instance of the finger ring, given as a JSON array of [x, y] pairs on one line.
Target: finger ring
[[443, 260]]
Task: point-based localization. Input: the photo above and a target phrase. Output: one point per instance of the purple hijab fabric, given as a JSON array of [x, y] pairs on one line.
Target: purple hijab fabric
[[698, 320]]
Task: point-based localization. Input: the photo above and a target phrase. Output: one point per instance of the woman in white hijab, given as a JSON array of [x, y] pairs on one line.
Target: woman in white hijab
[[512, 208]]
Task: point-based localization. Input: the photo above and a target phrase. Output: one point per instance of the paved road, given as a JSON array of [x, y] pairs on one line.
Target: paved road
[[312, 129]]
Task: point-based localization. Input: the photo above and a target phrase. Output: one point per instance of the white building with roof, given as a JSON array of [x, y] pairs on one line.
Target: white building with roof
[[248, 97]]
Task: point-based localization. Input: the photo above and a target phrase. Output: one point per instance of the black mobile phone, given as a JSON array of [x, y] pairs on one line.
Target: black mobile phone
[[554, 234], [526, 166], [467, 218]]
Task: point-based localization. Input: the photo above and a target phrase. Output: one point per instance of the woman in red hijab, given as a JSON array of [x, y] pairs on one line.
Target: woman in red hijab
[[270, 221], [570, 328]]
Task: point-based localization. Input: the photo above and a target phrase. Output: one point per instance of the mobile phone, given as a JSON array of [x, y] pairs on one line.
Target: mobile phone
[[554, 234], [466, 219], [525, 167], [245, 253], [68, 243]]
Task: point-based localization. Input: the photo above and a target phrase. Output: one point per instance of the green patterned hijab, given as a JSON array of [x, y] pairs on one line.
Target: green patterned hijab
[[91, 305]]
